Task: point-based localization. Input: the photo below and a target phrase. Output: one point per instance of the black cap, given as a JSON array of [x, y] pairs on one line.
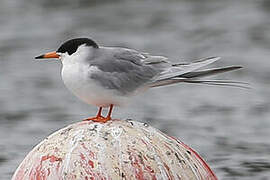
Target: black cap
[[72, 45]]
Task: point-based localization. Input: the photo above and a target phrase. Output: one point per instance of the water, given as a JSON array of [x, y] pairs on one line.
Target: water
[[229, 127]]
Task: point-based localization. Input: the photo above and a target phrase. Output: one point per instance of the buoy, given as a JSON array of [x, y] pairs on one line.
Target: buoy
[[117, 149]]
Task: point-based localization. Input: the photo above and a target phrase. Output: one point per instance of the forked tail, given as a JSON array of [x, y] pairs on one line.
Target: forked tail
[[194, 76]]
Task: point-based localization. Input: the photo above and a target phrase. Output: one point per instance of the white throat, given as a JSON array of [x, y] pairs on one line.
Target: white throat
[[80, 56]]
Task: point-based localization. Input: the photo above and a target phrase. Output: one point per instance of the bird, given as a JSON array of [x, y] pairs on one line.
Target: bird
[[110, 76]]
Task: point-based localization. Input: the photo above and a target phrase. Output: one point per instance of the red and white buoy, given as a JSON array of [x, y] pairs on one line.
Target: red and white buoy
[[113, 150]]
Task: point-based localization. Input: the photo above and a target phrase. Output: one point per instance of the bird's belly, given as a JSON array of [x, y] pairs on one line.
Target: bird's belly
[[78, 81]]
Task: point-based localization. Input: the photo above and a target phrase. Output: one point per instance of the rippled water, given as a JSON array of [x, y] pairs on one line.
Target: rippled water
[[229, 127]]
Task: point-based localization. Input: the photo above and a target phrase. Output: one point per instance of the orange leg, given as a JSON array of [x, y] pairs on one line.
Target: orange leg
[[110, 112], [99, 112], [99, 117]]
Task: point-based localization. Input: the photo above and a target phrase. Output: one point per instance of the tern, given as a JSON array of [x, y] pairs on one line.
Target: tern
[[109, 76]]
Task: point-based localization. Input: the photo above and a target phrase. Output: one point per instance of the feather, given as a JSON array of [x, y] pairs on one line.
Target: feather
[[207, 82], [221, 83], [192, 77], [209, 72], [180, 69]]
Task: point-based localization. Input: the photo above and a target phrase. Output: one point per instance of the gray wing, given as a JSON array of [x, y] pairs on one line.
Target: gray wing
[[126, 70], [122, 70]]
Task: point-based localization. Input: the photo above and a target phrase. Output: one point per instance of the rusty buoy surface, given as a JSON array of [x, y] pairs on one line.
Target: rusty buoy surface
[[116, 149]]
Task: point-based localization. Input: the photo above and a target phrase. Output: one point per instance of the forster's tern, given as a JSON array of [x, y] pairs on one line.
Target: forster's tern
[[108, 76]]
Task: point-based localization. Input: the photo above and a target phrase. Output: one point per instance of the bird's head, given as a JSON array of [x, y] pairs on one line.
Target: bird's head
[[68, 48]]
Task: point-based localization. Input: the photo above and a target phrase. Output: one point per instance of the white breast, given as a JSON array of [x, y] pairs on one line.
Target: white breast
[[76, 77]]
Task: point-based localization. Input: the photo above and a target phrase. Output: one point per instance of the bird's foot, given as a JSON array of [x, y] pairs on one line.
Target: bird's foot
[[98, 119]]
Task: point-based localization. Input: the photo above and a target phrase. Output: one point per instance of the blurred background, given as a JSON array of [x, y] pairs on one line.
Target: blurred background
[[229, 127]]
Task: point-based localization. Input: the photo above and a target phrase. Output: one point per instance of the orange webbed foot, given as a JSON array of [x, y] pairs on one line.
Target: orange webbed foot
[[98, 119]]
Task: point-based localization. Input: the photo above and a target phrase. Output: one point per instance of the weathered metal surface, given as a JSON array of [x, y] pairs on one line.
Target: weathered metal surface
[[114, 150]]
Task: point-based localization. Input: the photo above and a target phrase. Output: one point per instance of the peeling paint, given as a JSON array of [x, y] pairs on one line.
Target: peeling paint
[[111, 151]]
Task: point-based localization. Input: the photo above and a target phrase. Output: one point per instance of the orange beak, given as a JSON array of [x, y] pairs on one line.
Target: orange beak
[[48, 55]]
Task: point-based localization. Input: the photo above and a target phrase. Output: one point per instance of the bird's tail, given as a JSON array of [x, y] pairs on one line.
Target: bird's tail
[[194, 77]]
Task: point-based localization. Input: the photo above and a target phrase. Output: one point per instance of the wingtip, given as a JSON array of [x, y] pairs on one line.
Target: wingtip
[[215, 57], [236, 67], [211, 59], [239, 67]]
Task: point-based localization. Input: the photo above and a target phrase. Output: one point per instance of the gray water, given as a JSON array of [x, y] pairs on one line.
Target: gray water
[[229, 127]]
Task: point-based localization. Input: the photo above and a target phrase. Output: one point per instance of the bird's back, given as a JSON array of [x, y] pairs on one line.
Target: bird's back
[[122, 70]]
